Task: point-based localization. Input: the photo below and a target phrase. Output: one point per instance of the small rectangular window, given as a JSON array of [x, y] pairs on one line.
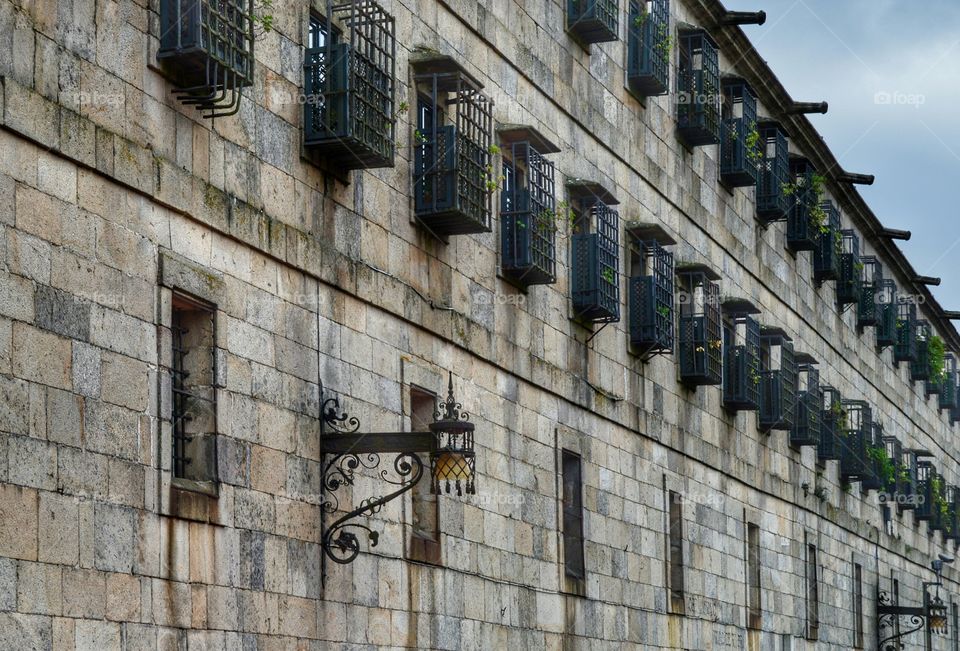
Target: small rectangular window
[[857, 606], [754, 609], [955, 634], [675, 552], [425, 536], [193, 373], [573, 557], [813, 594]]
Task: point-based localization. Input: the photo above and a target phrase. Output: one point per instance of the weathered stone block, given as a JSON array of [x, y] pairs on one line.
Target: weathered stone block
[[126, 482], [28, 256], [86, 369], [112, 430], [254, 510], [39, 588], [65, 416], [24, 632], [16, 297], [125, 381], [113, 538], [59, 529], [62, 313], [14, 406], [32, 462], [103, 636], [41, 357], [18, 522], [81, 473], [123, 598], [267, 470]]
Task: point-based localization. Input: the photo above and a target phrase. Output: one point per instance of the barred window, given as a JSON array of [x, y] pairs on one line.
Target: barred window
[[754, 608], [675, 552], [425, 534], [573, 557], [813, 593], [858, 606]]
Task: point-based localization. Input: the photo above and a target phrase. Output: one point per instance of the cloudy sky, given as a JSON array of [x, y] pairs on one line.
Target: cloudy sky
[[890, 70]]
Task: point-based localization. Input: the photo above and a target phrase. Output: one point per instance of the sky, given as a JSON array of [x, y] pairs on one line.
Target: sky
[[890, 70]]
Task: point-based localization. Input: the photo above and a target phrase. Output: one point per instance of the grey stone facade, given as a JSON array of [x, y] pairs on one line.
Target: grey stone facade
[[113, 195]]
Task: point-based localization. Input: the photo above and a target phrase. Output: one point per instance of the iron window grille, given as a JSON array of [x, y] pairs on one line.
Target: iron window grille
[[207, 48], [906, 468], [929, 490], [698, 96], [595, 255], [826, 257], [700, 331], [778, 381], [593, 21], [950, 514], [741, 357], [573, 539], [774, 173], [452, 172], [651, 299], [867, 301], [741, 149], [194, 405], [877, 461], [856, 435], [348, 77], [890, 486], [805, 195], [850, 282], [905, 349], [955, 412], [809, 409], [948, 383], [887, 314], [831, 425], [648, 47], [528, 216], [920, 366]]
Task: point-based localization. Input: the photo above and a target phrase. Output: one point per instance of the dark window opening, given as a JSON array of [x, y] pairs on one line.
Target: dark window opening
[[813, 594], [425, 535], [573, 556], [193, 372], [754, 608], [675, 552], [857, 606]]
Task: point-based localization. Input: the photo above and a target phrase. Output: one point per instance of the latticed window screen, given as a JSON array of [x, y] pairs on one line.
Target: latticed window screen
[[803, 219], [872, 477], [648, 47], [830, 446], [207, 46], [741, 364], [773, 203], [920, 366], [595, 266], [192, 374], [809, 409], [453, 179], [826, 256], [349, 83], [698, 86], [928, 482], [651, 300], [593, 21], [887, 313], [573, 562], [700, 331], [948, 383], [850, 281], [867, 302], [528, 217], [856, 436], [905, 349], [740, 145], [778, 385]]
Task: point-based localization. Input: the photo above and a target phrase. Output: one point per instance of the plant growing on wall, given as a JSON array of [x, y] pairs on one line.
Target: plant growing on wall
[[818, 216], [607, 275], [491, 182], [939, 498], [553, 220], [262, 17], [754, 149], [664, 41], [886, 470], [937, 352]]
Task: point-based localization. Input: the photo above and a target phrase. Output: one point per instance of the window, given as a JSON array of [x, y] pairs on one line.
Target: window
[[651, 296], [648, 47], [813, 593], [595, 254], [675, 552], [740, 147], [573, 557], [699, 335], [593, 21], [698, 89], [349, 83], [194, 406], [954, 634], [425, 534], [741, 356], [857, 606], [754, 608], [778, 386]]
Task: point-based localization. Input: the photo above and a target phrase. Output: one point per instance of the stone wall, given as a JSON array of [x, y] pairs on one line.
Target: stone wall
[[106, 182]]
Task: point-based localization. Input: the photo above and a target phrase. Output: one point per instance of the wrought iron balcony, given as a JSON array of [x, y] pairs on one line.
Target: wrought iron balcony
[[741, 356], [950, 517], [593, 21], [809, 410], [948, 383], [206, 46], [826, 257], [908, 493], [867, 301], [648, 47], [529, 219], [831, 425], [741, 149], [453, 177], [651, 290], [850, 282], [772, 203], [778, 383], [887, 307], [348, 74], [920, 366], [700, 336], [856, 437], [930, 487], [595, 254], [905, 349], [698, 89], [880, 473], [806, 215]]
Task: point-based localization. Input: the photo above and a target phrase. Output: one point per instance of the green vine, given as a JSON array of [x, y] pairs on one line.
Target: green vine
[[491, 182], [814, 198], [754, 150], [553, 220], [886, 470], [664, 311], [608, 275], [937, 352], [262, 17], [664, 41]]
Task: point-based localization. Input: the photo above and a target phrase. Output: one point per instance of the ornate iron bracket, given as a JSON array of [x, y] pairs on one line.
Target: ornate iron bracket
[[889, 614], [345, 451]]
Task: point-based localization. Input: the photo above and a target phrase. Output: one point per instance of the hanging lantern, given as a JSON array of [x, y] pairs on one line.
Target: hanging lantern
[[453, 459], [937, 614]]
